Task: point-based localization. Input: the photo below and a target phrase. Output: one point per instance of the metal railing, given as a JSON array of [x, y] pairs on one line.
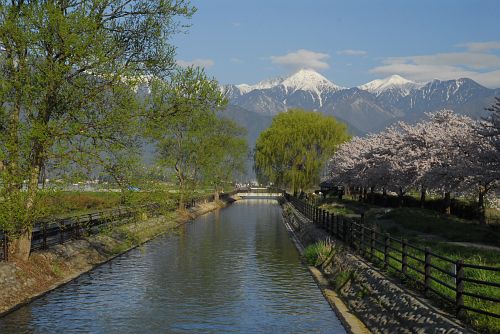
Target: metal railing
[[49, 232], [454, 282]]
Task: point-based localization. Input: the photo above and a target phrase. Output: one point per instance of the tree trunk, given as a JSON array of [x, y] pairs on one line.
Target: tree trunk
[[340, 193], [384, 196], [372, 195], [182, 205], [216, 194], [400, 197], [20, 246], [423, 192], [482, 210], [447, 203]]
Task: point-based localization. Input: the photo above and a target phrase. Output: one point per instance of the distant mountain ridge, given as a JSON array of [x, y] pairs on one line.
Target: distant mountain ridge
[[367, 108]]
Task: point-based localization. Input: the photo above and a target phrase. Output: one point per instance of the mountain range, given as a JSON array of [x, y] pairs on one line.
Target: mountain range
[[367, 108]]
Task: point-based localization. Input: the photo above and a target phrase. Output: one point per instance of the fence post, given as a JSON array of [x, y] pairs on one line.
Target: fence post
[[329, 223], [344, 230], [372, 243], [387, 241], [324, 219], [44, 234], [362, 239], [404, 257], [427, 270], [351, 234], [334, 226], [459, 293]]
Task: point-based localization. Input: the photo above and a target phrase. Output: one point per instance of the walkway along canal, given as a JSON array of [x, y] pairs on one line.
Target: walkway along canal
[[232, 270]]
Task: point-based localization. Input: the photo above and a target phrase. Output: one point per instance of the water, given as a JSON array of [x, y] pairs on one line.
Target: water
[[231, 271]]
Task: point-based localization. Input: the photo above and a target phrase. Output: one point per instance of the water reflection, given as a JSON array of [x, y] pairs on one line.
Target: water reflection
[[234, 270]]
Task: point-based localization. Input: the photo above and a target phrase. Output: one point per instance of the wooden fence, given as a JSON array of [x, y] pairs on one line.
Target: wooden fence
[[453, 282]]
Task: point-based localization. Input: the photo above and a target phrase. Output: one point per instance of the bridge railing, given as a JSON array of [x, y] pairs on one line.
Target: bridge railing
[[260, 190], [466, 287]]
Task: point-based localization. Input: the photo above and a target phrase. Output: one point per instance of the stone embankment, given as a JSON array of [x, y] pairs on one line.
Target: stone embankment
[[378, 301], [21, 282]]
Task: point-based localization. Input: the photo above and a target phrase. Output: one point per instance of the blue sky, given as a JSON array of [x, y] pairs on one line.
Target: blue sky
[[349, 42]]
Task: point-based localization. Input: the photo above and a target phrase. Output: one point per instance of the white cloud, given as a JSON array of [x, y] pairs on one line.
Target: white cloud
[[475, 63], [206, 63], [350, 52], [303, 59], [481, 46]]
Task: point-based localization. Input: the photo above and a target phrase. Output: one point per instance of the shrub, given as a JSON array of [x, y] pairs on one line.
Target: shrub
[[318, 253]]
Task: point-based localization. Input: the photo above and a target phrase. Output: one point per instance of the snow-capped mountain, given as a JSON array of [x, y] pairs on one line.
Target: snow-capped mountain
[[395, 83], [305, 88], [367, 108], [306, 80]]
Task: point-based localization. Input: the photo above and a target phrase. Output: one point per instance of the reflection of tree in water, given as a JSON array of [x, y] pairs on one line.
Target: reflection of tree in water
[[21, 323], [230, 270]]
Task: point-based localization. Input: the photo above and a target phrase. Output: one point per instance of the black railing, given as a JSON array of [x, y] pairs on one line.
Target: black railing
[[49, 232], [454, 282]]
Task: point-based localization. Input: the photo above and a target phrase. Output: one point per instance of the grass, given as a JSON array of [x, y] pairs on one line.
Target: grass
[[56, 269], [66, 202], [446, 227], [317, 253], [408, 221], [426, 228], [339, 209], [480, 257]]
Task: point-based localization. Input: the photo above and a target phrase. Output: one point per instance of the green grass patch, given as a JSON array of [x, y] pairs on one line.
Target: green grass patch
[[453, 252], [447, 227], [318, 253], [339, 209]]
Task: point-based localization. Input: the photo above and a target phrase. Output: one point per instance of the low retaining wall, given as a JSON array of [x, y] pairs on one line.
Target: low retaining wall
[[378, 301]]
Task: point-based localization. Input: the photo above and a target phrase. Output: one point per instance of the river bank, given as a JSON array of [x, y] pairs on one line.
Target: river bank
[[379, 302], [22, 282]]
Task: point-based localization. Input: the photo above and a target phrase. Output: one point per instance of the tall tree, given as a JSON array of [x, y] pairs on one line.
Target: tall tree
[[293, 150], [196, 146], [68, 71], [226, 151]]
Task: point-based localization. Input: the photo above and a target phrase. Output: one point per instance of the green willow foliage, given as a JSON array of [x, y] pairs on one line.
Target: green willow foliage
[[194, 145], [293, 150]]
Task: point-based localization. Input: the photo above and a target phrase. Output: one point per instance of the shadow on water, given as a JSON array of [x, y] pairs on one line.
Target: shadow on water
[[232, 270]]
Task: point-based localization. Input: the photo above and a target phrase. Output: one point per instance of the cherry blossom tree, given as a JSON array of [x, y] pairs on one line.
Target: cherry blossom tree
[[444, 153]]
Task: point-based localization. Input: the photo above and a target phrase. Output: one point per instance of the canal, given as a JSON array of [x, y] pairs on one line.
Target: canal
[[233, 270]]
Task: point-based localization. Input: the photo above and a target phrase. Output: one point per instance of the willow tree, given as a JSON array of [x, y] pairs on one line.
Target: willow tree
[[292, 152], [68, 70], [226, 151], [193, 145]]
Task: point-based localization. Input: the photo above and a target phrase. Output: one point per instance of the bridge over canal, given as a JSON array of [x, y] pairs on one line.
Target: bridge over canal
[[259, 193]]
